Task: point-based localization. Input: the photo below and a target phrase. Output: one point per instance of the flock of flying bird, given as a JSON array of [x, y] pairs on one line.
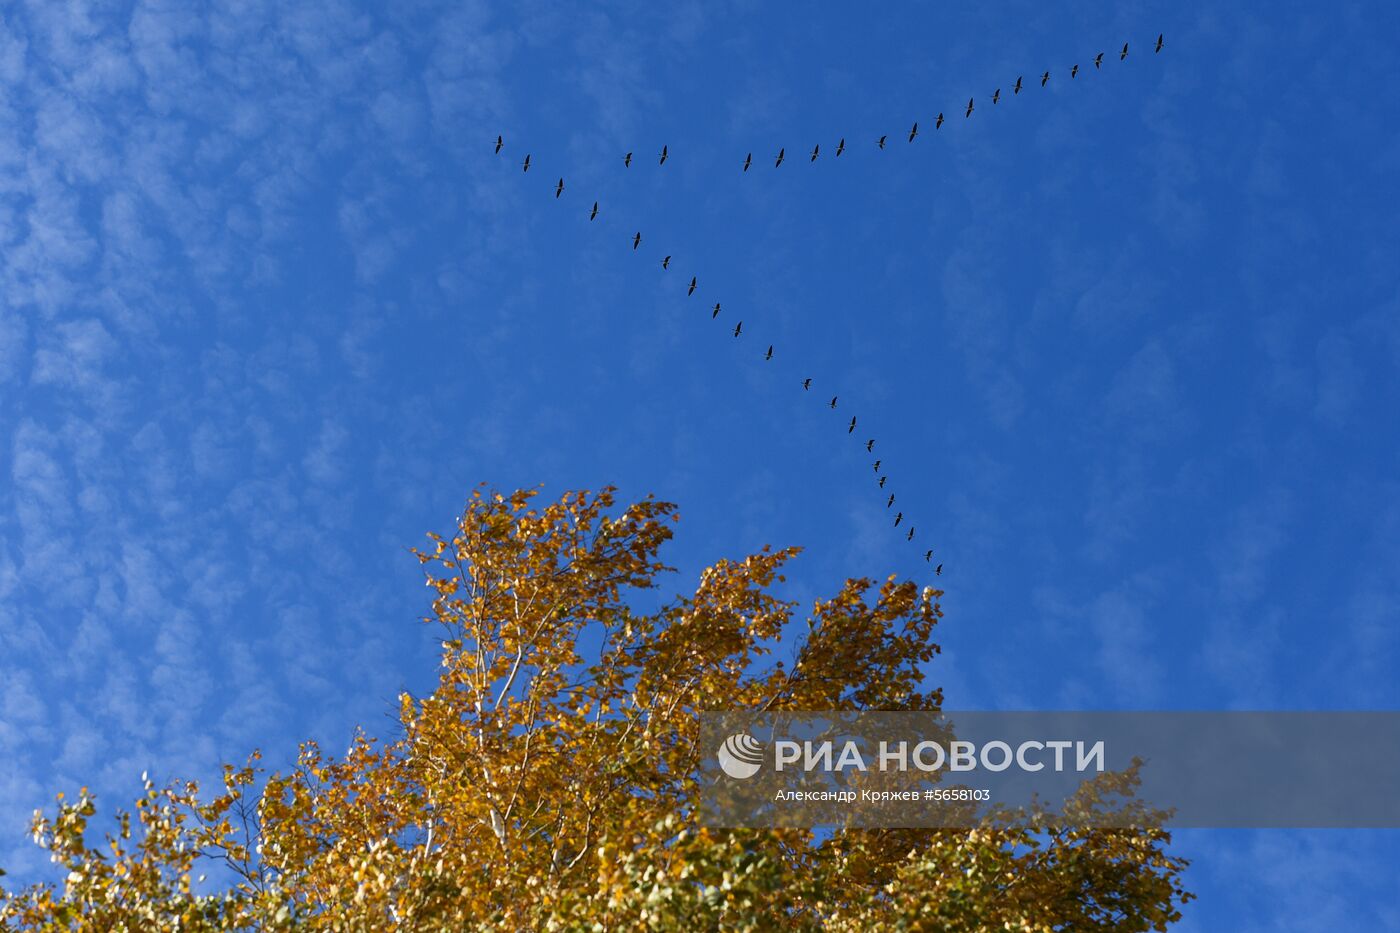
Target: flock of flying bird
[[816, 151]]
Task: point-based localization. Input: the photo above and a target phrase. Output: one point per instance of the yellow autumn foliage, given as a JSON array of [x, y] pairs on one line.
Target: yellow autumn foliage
[[548, 782]]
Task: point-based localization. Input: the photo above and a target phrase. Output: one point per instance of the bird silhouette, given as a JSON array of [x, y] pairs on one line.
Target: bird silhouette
[[877, 465], [1098, 60], [1044, 78], [939, 571], [559, 189], [780, 158], [969, 108], [690, 291], [880, 142], [1017, 88], [637, 240], [1074, 71], [910, 536], [715, 313], [815, 150], [663, 156], [899, 517], [914, 131], [841, 147], [996, 95], [1159, 43], [937, 124], [882, 481], [833, 401], [738, 327], [1123, 54], [627, 160], [806, 384], [769, 354], [526, 166], [666, 263], [500, 141], [928, 555], [852, 428], [593, 213], [870, 445], [748, 160], [889, 502]]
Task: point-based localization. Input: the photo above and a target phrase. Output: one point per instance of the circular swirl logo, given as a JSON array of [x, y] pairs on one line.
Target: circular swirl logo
[[741, 756]]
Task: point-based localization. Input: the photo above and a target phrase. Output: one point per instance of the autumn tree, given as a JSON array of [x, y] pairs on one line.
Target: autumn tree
[[549, 781]]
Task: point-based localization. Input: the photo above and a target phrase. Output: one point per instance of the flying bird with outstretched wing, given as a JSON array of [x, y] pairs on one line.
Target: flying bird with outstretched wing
[[1074, 71], [852, 428], [691, 290], [880, 142], [890, 501], [870, 445], [1098, 60], [779, 160], [833, 401], [1123, 54], [899, 517], [841, 147], [593, 213], [769, 354], [637, 240], [663, 156], [748, 160], [806, 383], [1159, 43], [1017, 88], [914, 131], [666, 263], [996, 95], [938, 124], [816, 149], [738, 327], [1044, 79], [969, 108], [525, 167], [559, 189], [500, 141], [627, 160], [715, 313]]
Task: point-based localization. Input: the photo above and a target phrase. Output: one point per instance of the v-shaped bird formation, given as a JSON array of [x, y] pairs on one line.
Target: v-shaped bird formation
[[880, 144]]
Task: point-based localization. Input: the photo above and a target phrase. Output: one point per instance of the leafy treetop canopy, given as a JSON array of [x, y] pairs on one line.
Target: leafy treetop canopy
[[549, 780]]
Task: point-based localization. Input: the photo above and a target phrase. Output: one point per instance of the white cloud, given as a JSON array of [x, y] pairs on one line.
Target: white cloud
[[14, 349]]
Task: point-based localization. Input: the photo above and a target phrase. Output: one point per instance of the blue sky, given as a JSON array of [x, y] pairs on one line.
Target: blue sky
[[270, 307]]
